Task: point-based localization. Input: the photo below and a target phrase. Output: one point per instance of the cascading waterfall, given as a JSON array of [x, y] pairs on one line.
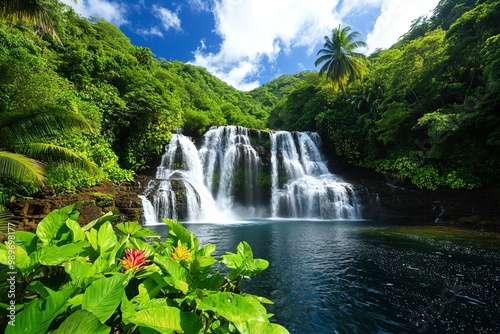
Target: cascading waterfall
[[227, 178], [302, 186], [231, 165], [178, 191]]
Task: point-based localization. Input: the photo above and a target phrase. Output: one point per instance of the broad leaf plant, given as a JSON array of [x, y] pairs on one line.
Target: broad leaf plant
[[123, 278]]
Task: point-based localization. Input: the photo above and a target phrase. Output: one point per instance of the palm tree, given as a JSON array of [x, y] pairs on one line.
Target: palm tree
[[341, 64], [23, 143], [30, 12]]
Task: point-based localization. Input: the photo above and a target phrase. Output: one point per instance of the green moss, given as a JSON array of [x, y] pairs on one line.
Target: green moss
[[439, 234], [103, 200], [264, 179]]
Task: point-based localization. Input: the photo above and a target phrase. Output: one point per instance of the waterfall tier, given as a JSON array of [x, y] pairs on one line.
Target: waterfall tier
[[238, 173]]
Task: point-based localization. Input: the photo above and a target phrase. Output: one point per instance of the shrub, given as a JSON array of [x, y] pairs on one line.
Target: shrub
[[65, 178], [103, 200], [126, 279]]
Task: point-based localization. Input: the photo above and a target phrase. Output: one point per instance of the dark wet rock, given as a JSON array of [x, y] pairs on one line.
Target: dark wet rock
[[122, 198]]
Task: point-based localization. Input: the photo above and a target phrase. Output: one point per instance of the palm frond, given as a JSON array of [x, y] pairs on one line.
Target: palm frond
[[30, 12], [21, 168], [5, 219], [51, 153], [33, 126], [340, 63]]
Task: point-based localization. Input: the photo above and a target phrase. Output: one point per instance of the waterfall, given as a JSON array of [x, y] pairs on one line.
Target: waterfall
[[302, 186], [231, 165], [235, 173], [178, 192]]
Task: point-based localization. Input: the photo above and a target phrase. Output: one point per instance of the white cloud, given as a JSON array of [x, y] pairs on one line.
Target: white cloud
[[169, 19], [199, 5], [153, 31], [113, 12], [357, 7], [256, 31], [395, 20]]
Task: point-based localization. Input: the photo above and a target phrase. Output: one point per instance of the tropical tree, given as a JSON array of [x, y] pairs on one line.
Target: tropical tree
[[24, 143], [30, 12], [341, 64]]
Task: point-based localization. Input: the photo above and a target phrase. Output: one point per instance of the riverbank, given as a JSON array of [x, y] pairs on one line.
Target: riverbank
[[405, 202]]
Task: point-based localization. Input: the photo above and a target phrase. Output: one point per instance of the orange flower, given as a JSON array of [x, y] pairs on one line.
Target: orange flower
[[134, 259], [181, 253]]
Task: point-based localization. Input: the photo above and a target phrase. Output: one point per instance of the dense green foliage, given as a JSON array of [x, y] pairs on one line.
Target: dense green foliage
[[24, 144], [126, 279], [428, 109], [132, 101]]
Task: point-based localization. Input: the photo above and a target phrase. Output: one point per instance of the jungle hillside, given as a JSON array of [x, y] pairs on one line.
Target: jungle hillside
[[85, 105]]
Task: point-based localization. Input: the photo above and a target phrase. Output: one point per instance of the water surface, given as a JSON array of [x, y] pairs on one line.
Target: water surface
[[366, 276]]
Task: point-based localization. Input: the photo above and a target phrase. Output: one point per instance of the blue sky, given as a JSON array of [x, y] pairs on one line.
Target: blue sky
[[247, 43]]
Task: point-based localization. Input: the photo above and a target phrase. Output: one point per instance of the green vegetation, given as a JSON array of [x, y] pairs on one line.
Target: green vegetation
[[341, 64], [423, 111], [427, 111], [102, 279], [24, 140], [103, 200], [130, 100], [29, 12]]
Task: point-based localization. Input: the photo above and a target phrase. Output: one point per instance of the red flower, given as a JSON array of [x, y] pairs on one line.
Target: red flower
[[134, 259]]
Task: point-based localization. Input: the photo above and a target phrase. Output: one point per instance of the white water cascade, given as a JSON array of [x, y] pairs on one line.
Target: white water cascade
[[302, 186], [233, 174]]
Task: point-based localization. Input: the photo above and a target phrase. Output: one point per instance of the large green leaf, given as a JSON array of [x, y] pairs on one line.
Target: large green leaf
[[166, 319], [177, 275], [76, 230], [38, 315], [92, 238], [4, 255], [79, 269], [207, 250], [243, 252], [102, 265], [153, 285], [50, 225], [53, 255], [129, 227], [103, 296], [108, 217], [106, 237], [19, 258], [82, 322], [23, 260], [183, 234], [235, 308], [27, 239], [134, 229], [117, 249]]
